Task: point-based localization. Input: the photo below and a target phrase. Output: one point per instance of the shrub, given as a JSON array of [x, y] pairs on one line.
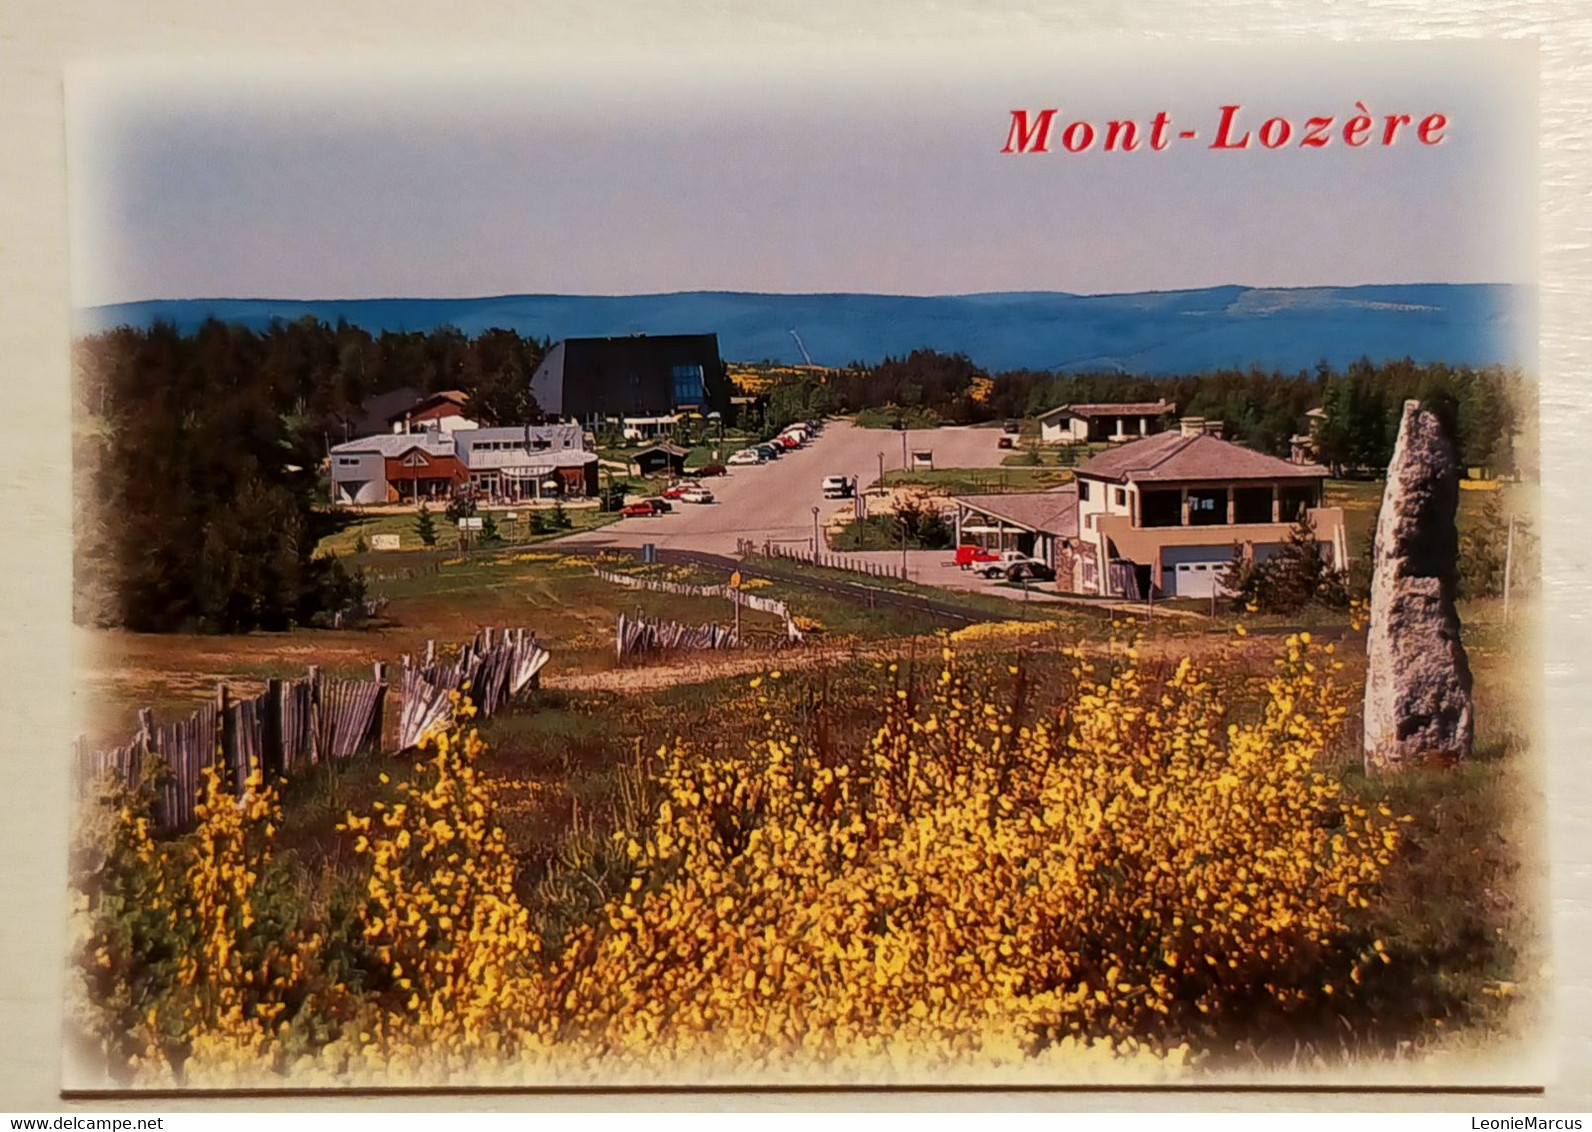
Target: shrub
[[1142, 868]]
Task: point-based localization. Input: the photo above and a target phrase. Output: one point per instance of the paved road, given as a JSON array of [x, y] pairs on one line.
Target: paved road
[[775, 501]]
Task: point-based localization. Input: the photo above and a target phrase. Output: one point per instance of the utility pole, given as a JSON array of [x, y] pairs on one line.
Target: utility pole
[[881, 470], [903, 446], [815, 534], [1509, 562], [903, 523]]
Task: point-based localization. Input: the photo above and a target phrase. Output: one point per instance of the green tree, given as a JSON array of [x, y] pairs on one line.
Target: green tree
[[426, 526]]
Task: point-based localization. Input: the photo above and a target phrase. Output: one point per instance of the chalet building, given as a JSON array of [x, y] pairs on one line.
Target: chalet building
[[1160, 514], [662, 459], [1110, 423], [587, 379], [447, 410], [522, 462]]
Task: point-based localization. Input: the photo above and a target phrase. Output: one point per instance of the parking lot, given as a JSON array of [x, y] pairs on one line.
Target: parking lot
[[775, 501]]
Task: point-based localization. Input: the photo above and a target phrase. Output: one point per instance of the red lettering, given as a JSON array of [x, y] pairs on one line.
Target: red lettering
[[1431, 129], [1315, 135], [1077, 137], [1356, 128], [1275, 132], [1224, 131], [1394, 121], [1158, 128], [1029, 137], [1124, 132]]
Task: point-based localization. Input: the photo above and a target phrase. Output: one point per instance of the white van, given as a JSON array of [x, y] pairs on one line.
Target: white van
[[838, 487]]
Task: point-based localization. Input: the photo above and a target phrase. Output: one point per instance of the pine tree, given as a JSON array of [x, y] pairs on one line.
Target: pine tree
[[426, 526]]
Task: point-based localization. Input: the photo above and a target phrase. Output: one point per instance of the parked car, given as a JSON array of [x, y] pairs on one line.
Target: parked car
[[1012, 426], [746, 456], [770, 451], [839, 487], [1033, 570], [1007, 560], [661, 505], [712, 470], [969, 556], [1005, 442], [641, 509], [675, 491], [696, 495], [789, 441]]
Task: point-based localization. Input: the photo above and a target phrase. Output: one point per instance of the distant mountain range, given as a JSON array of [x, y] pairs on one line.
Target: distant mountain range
[[1154, 332]]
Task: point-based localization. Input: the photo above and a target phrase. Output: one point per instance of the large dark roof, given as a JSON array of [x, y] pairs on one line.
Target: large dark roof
[[1173, 457]]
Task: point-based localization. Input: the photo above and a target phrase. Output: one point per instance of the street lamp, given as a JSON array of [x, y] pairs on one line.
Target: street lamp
[[903, 523], [815, 534], [881, 470]]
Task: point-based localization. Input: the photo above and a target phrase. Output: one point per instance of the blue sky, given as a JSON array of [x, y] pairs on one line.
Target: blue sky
[[847, 173]]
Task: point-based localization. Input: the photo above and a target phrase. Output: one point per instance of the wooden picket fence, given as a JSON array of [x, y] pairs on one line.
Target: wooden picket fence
[[299, 723], [292, 724], [746, 548], [491, 669], [640, 634], [681, 589]]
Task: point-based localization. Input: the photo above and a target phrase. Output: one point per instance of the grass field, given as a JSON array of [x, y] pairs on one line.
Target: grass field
[[343, 542], [979, 481]]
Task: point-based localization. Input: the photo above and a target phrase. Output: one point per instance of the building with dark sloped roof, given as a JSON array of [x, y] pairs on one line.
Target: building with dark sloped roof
[[587, 379]]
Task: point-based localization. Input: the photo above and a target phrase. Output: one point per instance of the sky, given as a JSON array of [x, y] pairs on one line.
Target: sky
[[864, 173]]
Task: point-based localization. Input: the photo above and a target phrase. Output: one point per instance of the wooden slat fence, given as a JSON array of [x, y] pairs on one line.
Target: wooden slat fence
[[292, 724], [746, 548], [681, 589], [641, 634], [491, 669]]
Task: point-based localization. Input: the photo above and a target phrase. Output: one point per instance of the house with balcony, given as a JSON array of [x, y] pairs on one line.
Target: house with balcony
[[1104, 423], [1163, 514]]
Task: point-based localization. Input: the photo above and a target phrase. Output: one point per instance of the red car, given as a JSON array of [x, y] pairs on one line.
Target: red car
[[644, 508], [679, 489]]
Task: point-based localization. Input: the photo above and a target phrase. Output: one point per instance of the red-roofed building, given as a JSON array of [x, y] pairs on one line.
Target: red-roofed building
[[1113, 423], [1165, 512]]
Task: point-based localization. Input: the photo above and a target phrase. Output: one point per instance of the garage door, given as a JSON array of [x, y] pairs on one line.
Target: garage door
[[1192, 571]]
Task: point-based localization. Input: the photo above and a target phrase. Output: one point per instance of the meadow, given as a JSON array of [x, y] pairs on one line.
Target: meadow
[[1023, 850]]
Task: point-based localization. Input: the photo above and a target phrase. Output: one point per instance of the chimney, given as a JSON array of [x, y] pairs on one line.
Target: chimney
[[1191, 426]]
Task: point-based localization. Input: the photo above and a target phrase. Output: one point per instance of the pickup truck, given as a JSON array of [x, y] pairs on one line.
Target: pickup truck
[[838, 487], [1002, 565]]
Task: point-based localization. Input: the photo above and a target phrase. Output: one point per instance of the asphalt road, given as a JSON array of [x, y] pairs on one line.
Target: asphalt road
[[775, 501]]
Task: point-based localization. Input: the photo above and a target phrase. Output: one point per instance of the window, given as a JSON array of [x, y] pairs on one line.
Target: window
[[688, 387], [348, 461], [1207, 506], [1122, 497], [1083, 490]]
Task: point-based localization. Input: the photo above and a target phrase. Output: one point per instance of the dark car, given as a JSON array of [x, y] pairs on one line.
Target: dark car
[[712, 470], [770, 451], [1030, 571]]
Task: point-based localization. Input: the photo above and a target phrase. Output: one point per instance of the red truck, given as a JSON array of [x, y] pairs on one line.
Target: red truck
[[969, 556]]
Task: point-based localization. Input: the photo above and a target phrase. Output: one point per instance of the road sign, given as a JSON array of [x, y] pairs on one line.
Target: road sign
[[735, 580], [470, 524], [384, 542]]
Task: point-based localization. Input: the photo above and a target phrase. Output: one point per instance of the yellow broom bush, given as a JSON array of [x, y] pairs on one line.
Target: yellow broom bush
[[973, 885]]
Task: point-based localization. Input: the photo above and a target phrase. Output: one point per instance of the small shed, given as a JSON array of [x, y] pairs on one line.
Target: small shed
[[661, 459]]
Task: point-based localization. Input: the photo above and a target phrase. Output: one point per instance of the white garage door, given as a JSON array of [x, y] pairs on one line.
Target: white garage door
[[1192, 571]]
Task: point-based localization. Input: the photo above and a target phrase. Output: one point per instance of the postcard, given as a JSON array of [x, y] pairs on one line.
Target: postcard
[[670, 570]]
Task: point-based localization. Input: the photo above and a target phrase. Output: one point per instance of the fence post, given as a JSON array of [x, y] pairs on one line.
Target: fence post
[[226, 742], [378, 719], [272, 755], [313, 712]]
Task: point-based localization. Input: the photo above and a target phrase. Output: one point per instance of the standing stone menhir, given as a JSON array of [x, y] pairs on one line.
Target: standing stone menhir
[[1417, 684]]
